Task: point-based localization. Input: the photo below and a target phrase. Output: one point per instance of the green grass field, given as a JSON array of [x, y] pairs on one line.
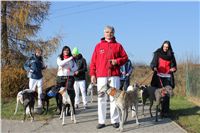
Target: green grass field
[[8, 109], [186, 114]]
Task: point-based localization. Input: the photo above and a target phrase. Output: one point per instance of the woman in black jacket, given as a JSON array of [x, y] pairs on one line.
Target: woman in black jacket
[[80, 78], [164, 65]]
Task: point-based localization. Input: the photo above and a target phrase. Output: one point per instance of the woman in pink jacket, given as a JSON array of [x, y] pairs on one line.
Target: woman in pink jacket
[[106, 60]]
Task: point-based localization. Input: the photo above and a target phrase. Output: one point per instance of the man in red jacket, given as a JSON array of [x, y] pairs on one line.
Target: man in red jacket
[[105, 64]]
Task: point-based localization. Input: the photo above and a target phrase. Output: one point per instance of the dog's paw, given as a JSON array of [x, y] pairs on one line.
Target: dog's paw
[[63, 124], [118, 129], [138, 123], [60, 118], [74, 121], [22, 121]]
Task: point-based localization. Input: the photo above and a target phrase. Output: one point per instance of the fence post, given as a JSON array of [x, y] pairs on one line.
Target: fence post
[[187, 80]]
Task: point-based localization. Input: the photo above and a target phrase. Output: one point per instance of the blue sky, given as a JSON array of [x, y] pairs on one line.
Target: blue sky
[[141, 27]]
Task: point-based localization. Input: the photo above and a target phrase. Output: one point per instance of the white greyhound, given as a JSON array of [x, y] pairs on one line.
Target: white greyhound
[[66, 100]]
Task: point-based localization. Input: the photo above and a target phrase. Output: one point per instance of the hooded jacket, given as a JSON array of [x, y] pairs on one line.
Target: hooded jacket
[[104, 51], [34, 66], [82, 67]]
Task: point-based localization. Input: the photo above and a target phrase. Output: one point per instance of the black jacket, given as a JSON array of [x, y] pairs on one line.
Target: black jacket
[[82, 68], [155, 82]]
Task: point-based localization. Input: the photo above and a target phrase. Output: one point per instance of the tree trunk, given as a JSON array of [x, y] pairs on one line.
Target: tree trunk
[[4, 36]]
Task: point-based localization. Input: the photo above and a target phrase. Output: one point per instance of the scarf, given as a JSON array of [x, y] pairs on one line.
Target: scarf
[[65, 56], [165, 55]]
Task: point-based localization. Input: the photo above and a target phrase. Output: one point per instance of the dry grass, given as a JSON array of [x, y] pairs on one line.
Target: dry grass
[[194, 100], [49, 77]]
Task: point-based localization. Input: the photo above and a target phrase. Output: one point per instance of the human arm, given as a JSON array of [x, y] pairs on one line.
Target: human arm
[[63, 62], [130, 68], [82, 67], [28, 65], [121, 60], [154, 62], [173, 65]]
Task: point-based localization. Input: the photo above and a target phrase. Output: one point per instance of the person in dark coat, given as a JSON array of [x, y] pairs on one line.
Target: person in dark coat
[[164, 65], [126, 71], [80, 78], [34, 66]]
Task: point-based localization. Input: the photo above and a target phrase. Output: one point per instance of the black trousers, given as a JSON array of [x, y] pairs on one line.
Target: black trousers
[[124, 83], [165, 104]]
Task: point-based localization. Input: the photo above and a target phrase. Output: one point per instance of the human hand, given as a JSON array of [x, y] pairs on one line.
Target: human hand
[[172, 69], [123, 73], [76, 73], [127, 74], [155, 69], [93, 79], [113, 62]]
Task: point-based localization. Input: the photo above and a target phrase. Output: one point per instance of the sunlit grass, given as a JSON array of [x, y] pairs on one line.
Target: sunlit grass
[[186, 114], [8, 109]]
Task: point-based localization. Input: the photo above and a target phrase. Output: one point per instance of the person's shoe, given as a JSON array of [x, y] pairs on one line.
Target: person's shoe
[[99, 126], [116, 125], [76, 106]]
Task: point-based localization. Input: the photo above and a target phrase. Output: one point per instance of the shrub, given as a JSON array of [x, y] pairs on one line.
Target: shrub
[[13, 79]]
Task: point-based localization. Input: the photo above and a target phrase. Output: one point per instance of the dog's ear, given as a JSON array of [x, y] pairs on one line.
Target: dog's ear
[[142, 87]]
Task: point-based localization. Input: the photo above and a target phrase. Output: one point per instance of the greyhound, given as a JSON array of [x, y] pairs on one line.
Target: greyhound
[[49, 93], [154, 94], [147, 92], [123, 101], [90, 90], [159, 94], [27, 98], [66, 100]]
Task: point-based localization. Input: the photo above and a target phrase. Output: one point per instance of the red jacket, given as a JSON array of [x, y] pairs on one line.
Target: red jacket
[[163, 66], [100, 65]]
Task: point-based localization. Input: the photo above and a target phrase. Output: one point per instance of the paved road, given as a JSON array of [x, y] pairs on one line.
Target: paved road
[[87, 121]]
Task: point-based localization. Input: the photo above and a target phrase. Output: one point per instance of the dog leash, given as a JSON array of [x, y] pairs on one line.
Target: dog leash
[[66, 84], [151, 73], [163, 90]]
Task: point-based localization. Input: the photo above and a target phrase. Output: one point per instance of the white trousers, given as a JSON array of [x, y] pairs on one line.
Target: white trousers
[[80, 85], [32, 85], [102, 101]]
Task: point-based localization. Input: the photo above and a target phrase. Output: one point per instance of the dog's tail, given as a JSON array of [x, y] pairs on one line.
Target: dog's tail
[[89, 89], [19, 99], [16, 105]]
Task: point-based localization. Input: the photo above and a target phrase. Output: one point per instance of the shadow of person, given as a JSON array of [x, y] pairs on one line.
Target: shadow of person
[[175, 114]]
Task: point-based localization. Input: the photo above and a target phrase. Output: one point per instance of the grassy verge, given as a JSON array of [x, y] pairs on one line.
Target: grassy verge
[[186, 114], [8, 109]]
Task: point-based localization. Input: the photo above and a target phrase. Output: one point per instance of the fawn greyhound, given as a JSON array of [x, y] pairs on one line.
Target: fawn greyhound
[[123, 100]]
